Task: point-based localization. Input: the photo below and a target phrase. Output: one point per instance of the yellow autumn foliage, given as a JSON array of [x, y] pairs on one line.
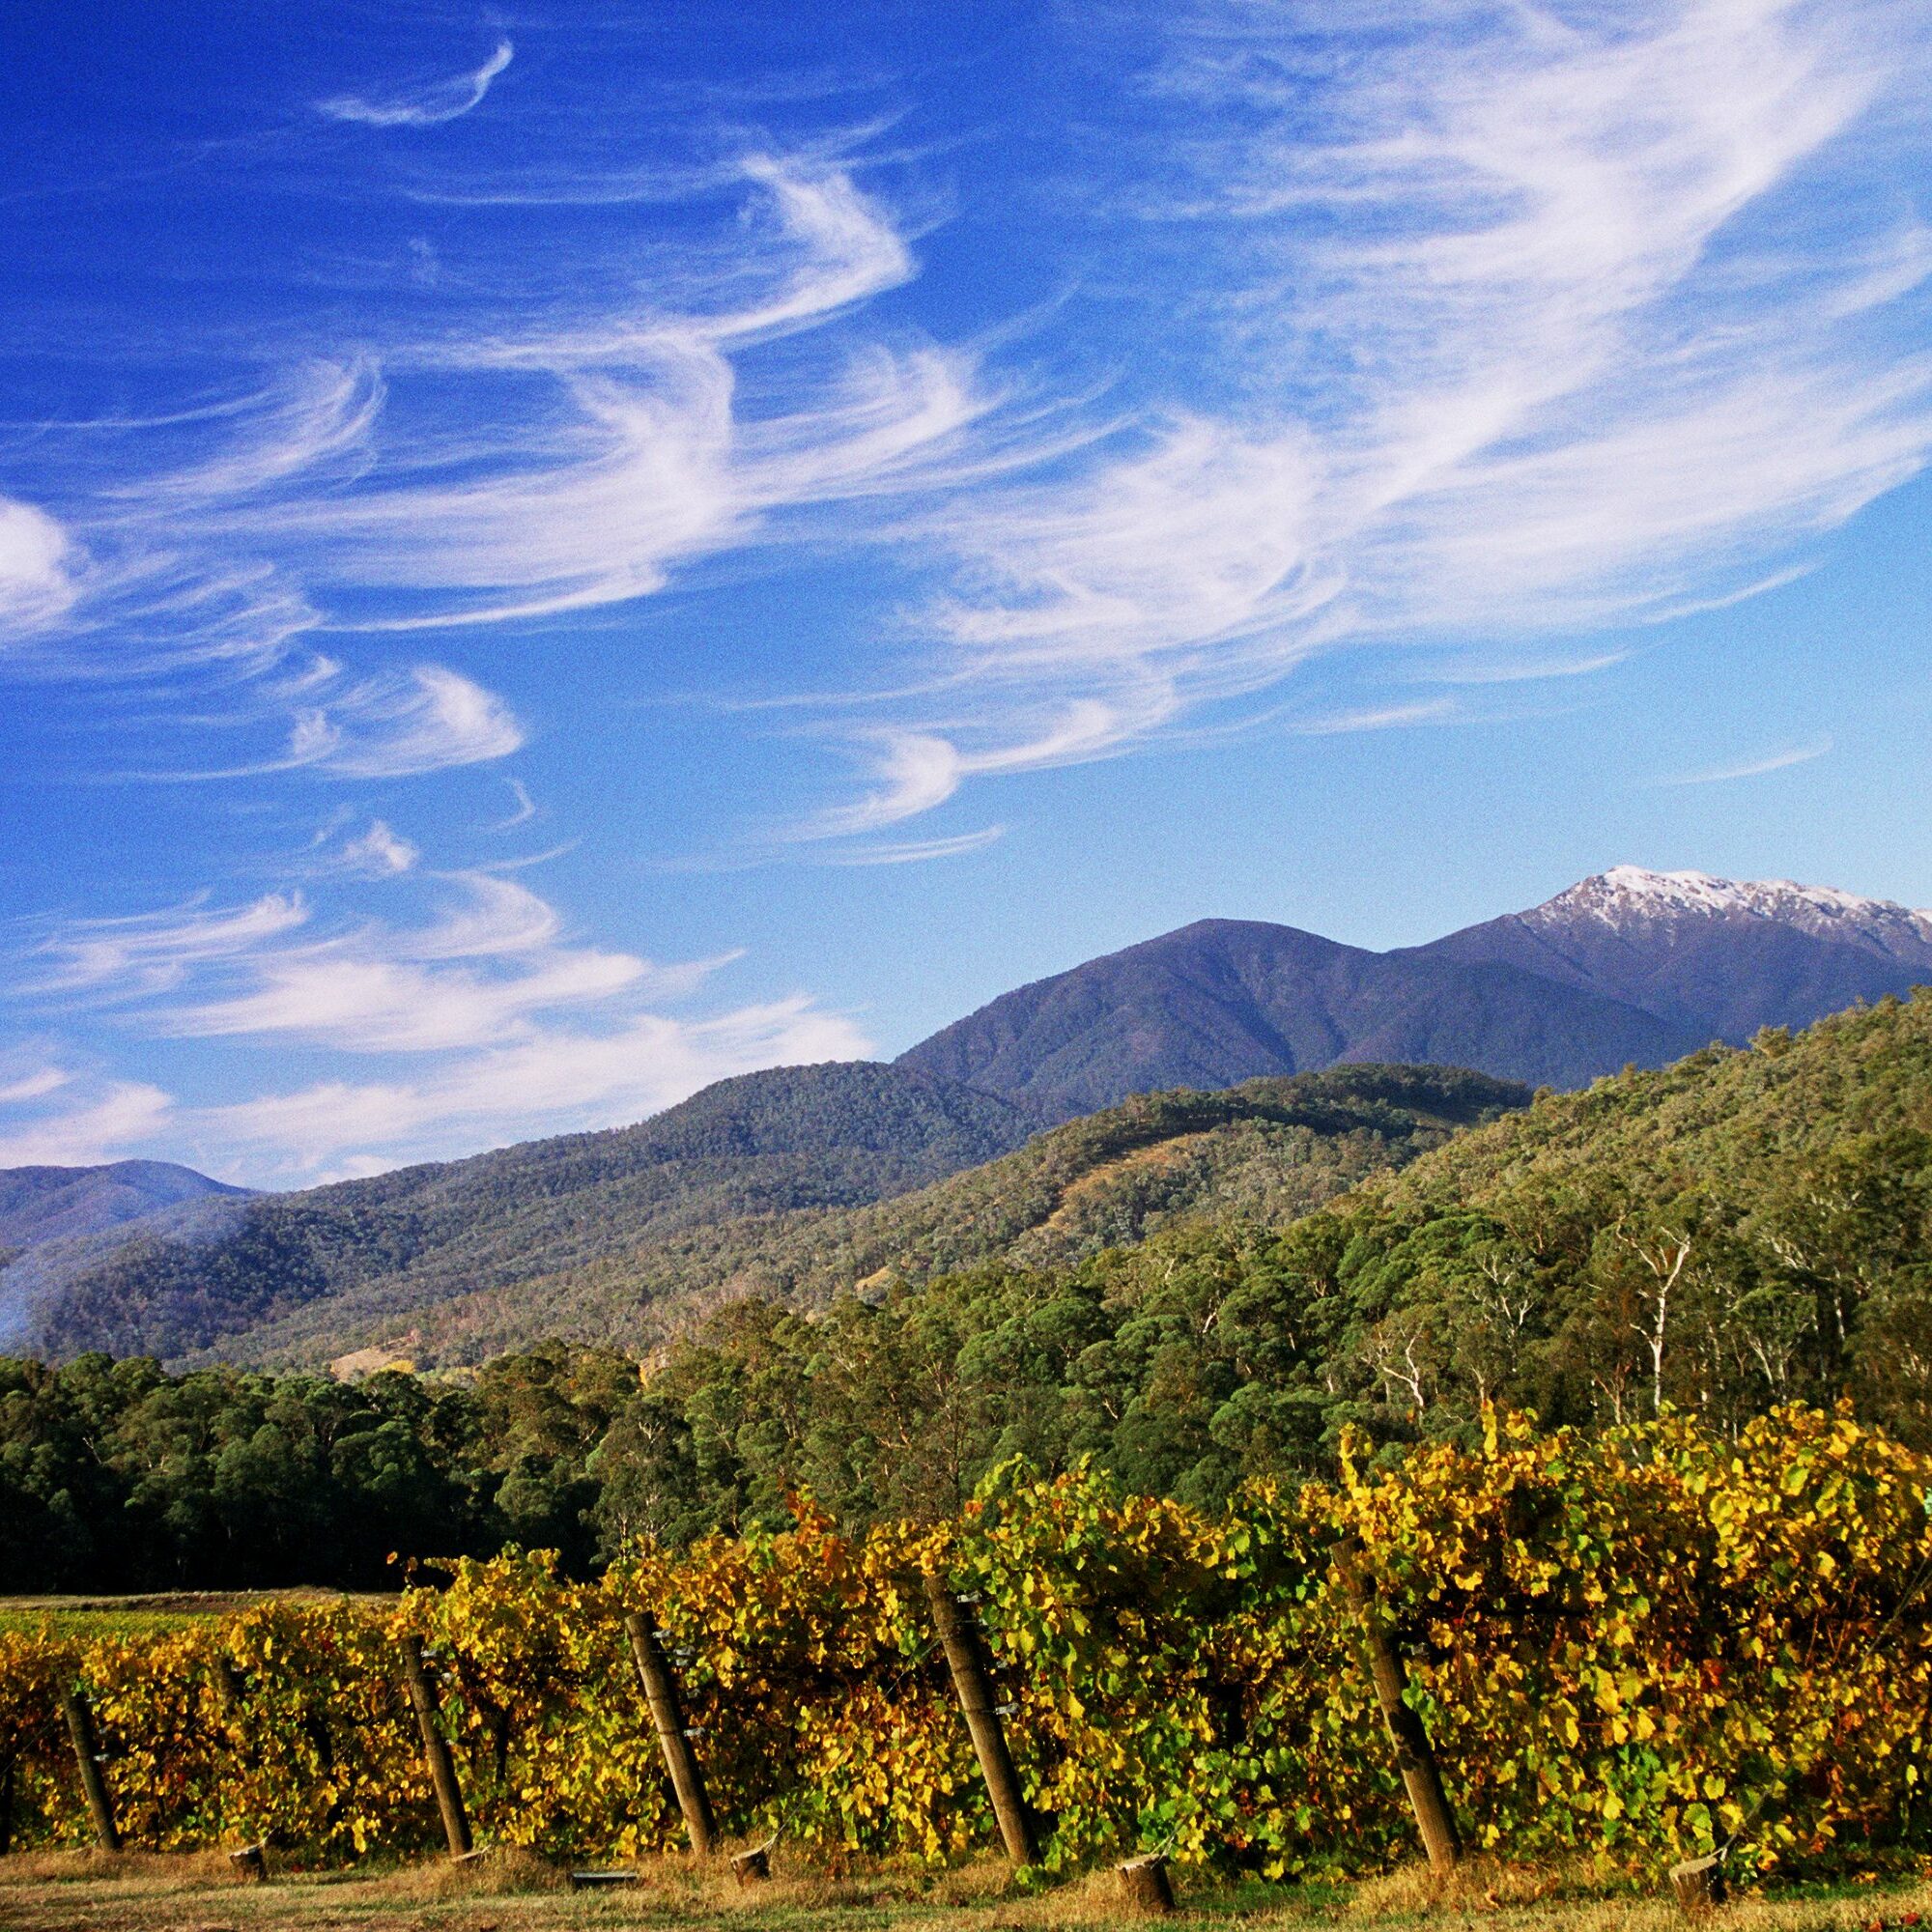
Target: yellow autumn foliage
[[1652, 1640]]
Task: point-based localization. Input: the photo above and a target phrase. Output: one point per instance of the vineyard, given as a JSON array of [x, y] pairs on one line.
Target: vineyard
[[1651, 1641]]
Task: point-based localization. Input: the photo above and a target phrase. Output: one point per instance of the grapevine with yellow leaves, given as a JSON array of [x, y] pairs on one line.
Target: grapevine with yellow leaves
[[1651, 1641]]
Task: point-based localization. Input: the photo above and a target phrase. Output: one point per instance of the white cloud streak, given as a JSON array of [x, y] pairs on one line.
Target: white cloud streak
[[115, 1117], [35, 584], [35, 1085], [549, 1083], [917, 771], [1528, 319], [1381, 718], [426, 104], [643, 456], [486, 1022], [548, 1080], [1753, 768], [524, 807], [379, 853], [400, 724], [913, 851], [589, 455], [492, 959], [140, 955]]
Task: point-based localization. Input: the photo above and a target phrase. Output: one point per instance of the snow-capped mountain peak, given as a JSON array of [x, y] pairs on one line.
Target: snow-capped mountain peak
[[1632, 897]]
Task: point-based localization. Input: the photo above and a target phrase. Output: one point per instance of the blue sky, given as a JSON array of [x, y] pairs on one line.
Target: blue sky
[[550, 556]]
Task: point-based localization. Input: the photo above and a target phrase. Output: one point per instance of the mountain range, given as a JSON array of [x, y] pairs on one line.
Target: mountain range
[[1629, 966], [773, 1179], [789, 1140]]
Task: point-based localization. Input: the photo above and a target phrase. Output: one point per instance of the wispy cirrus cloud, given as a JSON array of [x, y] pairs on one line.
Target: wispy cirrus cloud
[[103, 1122], [913, 851], [1379, 717], [576, 459], [1753, 767], [1523, 321], [522, 807], [425, 717], [490, 960], [138, 956], [36, 585], [486, 1020], [379, 852], [421, 103], [236, 638], [913, 771], [34, 1085], [549, 1083], [636, 451]]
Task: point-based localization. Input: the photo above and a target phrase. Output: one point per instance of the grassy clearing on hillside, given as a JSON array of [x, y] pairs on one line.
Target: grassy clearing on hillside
[[512, 1891]]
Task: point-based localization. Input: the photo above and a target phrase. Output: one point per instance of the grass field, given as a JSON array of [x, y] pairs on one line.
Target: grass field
[[146, 1616], [510, 1892]]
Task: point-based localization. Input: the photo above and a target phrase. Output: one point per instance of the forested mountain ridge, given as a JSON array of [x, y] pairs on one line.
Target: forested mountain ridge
[[1747, 1227], [1721, 1119], [1224, 1001], [1262, 1153], [1627, 966], [764, 1143]]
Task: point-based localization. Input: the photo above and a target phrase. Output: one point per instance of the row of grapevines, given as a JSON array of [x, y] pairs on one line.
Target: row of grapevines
[[1650, 1641]]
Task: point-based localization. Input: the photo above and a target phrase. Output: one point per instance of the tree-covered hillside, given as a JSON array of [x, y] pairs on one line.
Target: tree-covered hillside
[[1746, 1228], [793, 1137], [1263, 1153], [42, 1204]]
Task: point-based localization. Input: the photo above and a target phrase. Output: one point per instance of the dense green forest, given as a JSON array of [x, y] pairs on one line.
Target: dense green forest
[[1746, 1228]]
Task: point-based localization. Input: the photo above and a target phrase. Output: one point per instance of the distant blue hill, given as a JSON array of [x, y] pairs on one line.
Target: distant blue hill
[[50, 1204]]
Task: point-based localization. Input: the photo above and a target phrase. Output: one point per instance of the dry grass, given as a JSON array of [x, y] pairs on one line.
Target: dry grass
[[511, 1891], [1480, 1886], [156, 1611], [504, 1871]]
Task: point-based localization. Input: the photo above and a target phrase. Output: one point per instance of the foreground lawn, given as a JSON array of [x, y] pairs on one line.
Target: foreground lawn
[[509, 1892], [152, 1614]]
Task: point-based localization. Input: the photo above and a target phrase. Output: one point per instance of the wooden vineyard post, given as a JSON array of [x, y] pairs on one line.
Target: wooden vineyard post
[[250, 1863], [1145, 1883], [654, 1673], [963, 1659], [229, 1688], [5, 1807], [87, 1754], [231, 1693], [1699, 1885], [753, 1867], [1420, 1778], [435, 1752]]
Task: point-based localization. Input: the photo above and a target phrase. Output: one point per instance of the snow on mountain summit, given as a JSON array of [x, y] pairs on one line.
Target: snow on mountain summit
[[1628, 896]]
